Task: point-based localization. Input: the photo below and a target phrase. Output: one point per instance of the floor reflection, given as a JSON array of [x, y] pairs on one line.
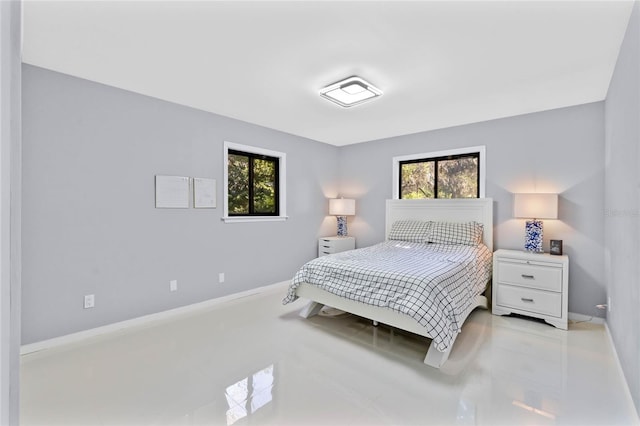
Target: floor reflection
[[248, 395], [466, 414], [529, 364], [534, 410]]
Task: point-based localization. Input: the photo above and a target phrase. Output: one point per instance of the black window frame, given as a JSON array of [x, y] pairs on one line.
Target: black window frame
[[252, 157], [435, 160]]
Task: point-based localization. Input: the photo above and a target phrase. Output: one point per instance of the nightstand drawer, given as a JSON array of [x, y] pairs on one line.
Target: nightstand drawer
[[531, 300], [325, 252], [330, 245], [530, 276], [327, 247]]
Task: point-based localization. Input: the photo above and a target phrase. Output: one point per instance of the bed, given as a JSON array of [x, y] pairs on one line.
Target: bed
[[456, 285]]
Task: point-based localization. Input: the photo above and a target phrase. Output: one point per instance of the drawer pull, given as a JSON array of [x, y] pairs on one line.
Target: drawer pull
[[326, 246], [526, 299], [527, 276]]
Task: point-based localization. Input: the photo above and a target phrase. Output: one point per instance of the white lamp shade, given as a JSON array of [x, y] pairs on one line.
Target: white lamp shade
[[342, 207], [535, 206]]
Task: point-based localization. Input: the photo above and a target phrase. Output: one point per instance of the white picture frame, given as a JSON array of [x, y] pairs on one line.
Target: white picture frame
[[204, 193], [172, 192]]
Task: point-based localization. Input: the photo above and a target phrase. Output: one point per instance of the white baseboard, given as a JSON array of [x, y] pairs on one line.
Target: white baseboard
[[585, 318], [621, 371], [146, 319]]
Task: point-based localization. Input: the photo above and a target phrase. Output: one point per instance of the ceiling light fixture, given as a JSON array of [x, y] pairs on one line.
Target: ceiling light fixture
[[351, 91]]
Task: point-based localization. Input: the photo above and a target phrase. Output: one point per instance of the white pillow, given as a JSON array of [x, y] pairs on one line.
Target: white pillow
[[415, 231]]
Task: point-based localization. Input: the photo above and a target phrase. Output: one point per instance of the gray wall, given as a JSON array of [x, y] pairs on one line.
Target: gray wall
[[554, 151], [622, 204], [10, 215], [90, 226]]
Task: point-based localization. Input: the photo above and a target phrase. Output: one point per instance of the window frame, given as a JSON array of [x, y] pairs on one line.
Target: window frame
[[440, 155], [255, 152]]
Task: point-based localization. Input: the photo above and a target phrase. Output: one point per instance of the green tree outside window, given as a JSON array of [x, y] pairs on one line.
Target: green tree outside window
[[445, 177], [252, 184]]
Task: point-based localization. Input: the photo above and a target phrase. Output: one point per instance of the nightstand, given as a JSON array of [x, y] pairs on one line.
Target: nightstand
[[330, 245], [531, 284]]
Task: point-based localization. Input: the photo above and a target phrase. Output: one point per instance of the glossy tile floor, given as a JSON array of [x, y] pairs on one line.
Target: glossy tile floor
[[253, 361]]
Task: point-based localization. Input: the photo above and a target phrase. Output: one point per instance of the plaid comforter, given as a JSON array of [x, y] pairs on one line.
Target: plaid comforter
[[435, 284]]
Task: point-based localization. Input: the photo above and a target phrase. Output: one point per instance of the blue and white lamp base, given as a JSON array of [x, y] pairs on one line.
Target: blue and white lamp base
[[342, 226], [533, 236]]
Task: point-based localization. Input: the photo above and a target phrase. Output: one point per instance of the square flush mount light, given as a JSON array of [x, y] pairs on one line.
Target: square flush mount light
[[351, 91]]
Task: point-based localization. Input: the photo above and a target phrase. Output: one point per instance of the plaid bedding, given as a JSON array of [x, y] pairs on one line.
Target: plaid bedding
[[435, 284]]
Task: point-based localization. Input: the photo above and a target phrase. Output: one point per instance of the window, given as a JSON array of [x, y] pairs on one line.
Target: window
[[254, 184], [445, 174]]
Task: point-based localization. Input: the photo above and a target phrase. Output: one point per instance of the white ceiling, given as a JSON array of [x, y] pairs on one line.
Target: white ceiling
[[439, 64]]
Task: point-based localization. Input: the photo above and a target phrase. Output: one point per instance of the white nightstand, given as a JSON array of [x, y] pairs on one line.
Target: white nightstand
[[330, 245], [531, 284]]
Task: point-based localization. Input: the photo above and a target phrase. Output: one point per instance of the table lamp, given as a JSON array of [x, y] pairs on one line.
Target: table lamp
[[341, 208], [535, 207]]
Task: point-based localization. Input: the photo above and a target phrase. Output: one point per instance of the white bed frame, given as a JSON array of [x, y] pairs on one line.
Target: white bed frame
[[454, 210]]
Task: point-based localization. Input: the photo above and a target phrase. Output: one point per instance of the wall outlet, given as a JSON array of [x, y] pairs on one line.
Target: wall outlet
[[221, 277], [89, 301], [608, 304], [173, 285]]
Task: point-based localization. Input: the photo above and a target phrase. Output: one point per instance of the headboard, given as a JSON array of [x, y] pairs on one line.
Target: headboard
[[444, 210]]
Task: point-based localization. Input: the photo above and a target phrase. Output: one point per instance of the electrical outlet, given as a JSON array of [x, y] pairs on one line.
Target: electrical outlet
[[89, 301], [221, 277], [173, 285], [608, 304]]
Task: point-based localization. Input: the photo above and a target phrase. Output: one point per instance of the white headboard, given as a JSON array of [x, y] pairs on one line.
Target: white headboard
[[444, 210]]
